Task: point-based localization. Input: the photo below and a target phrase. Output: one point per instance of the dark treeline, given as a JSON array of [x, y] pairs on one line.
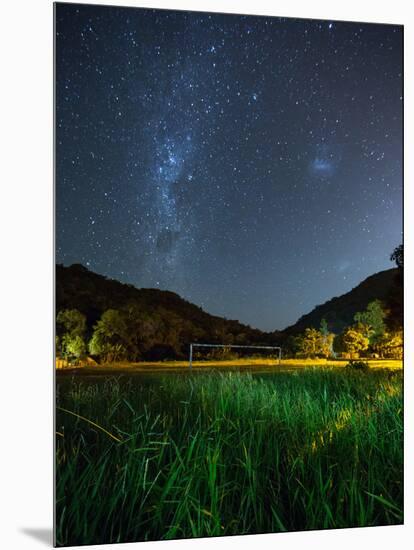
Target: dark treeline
[[116, 321], [113, 321]]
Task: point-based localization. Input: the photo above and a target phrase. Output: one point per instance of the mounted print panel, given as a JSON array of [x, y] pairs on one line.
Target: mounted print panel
[[229, 312]]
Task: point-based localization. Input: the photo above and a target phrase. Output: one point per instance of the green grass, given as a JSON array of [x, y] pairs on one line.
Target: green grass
[[164, 456]]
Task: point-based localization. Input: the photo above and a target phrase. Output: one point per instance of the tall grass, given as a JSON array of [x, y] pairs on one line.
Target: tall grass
[[227, 453]]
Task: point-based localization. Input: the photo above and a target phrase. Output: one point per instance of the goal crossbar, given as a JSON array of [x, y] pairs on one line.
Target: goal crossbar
[[197, 345]]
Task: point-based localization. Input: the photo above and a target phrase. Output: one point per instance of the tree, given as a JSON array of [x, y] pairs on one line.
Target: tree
[[71, 321], [75, 346], [314, 343], [310, 342], [106, 350], [371, 321], [354, 341], [127, 333], [326, 346], [292, 346], [395, 298], [71, 330], [324, 327], [107, 339], [397, 256], [390, 345], [327, 339]]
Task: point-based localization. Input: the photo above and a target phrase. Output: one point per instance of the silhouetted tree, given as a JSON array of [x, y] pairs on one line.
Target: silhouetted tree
[[395, 298], [397, 256]]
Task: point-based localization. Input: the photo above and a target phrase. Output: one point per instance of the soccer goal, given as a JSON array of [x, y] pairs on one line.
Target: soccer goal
[[227, 346]]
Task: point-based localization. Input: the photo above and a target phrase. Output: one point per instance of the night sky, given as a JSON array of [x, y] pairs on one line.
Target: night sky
[[251, 164]]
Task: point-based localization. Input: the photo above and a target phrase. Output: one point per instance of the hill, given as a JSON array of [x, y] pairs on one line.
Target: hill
[[173, 322], [92, 294], [339, 311]]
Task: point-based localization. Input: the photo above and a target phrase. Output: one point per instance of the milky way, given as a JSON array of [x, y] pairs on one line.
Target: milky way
[[251, 164]]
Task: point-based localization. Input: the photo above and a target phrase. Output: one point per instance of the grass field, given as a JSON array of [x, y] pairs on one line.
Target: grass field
[[248, 364], [161, 455]]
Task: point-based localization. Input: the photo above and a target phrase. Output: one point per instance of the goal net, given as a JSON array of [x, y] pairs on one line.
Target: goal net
[[275, 351]]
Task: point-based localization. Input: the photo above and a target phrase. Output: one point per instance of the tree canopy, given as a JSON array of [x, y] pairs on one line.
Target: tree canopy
[[397, 256]]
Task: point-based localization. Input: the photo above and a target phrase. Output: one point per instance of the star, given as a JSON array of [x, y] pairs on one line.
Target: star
[[231, 162]]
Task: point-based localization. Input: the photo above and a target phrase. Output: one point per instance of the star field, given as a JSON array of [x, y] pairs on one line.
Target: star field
[[251, 164]]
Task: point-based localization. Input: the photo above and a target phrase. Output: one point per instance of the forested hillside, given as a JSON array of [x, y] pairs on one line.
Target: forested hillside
[[167, 322], [114, 321], [339, 311]]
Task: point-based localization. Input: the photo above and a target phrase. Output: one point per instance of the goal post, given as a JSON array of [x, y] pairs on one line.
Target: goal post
[[226, 346]]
